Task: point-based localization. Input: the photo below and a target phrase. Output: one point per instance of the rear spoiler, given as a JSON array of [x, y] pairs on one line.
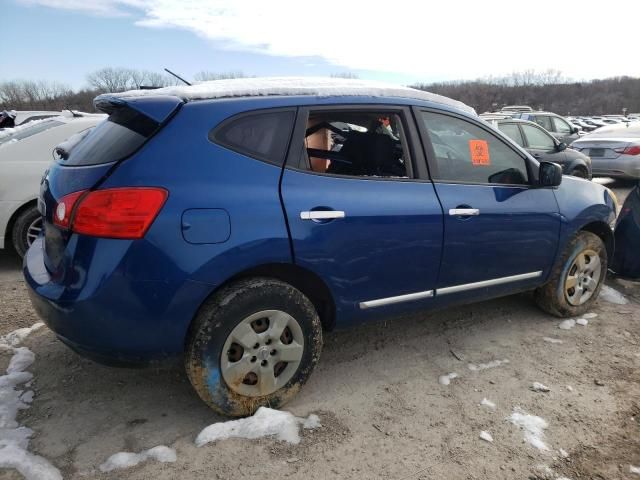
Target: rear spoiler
[[156, 108]]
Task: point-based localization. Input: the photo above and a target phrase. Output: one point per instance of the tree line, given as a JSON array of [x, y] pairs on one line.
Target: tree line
[[547, 90]]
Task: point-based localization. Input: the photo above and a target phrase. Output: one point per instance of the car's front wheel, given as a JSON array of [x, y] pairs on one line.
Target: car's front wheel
[[580, 172], [576, 280], [254, 343], [26, 229]]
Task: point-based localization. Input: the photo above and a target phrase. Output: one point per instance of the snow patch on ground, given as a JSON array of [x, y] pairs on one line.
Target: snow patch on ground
[[488, 403], [590, 315], [582, 321], [121, 460], [552, 340], [563, 453], [14, 439], [633, 469], [567, 324], [611, 295], [446, 379], [532, 426], [483, 366], [266, 422], [486, 436], [539, 387]]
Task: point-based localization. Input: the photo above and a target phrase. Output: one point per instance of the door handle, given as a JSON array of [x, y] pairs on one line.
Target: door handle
[[321, 214], [464, 212]]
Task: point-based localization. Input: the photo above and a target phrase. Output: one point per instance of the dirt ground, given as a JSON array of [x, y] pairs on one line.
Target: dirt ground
[[384, 414]]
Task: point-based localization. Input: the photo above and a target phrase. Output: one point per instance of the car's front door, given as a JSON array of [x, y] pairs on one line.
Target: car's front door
[[361, 214], [500, 231]]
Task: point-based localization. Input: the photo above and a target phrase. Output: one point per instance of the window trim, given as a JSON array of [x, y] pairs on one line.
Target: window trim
[[416, 163], [430, 152], [212, 135]]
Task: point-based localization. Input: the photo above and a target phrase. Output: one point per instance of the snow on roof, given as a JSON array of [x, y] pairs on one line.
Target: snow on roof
[[289, 86]]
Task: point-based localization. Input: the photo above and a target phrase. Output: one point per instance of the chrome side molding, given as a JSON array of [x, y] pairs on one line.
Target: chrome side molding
[[487, 283], [400, 298]]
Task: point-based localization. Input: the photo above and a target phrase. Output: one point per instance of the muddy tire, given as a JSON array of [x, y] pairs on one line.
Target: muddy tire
[[26, 229], [252, 344], [580, 172], [577, 278]]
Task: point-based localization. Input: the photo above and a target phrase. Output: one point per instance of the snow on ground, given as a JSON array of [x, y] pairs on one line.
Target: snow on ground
[[563, 453], [590, 315], [488, 403], [532, 426], [266, 422], [446, 379], [567, 324], [582, 321], [14, 439], [486, 436], [483, 366], [611, 295], [121, 460], [539, 387], [552, 340], [633, 469]]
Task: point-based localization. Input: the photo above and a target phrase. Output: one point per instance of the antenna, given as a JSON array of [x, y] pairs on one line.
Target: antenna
[[177, 76]]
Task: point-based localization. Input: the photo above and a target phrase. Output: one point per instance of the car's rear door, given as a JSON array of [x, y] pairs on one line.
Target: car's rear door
[[374, 237], [500, 231]]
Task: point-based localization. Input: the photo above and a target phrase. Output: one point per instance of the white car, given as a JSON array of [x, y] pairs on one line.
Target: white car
[[25, 153]]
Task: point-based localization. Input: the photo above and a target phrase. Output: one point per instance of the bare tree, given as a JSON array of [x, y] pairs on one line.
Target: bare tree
[[344, 75], [206, 75]]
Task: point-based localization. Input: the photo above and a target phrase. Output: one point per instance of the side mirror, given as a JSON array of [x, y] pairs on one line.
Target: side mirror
[[575, 130], [561, 146], [550, 174]]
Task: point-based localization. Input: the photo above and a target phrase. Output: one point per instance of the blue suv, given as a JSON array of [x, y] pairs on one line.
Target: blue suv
[[232, 222]]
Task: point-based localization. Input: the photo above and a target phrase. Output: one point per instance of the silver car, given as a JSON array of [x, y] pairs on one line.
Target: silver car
[[614, 150]]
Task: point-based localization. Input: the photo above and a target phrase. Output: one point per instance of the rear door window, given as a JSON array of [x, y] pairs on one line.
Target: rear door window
[[512, 131], [262, 135]]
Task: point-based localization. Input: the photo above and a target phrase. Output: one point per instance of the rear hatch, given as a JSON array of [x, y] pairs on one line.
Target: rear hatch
[[83, 163]]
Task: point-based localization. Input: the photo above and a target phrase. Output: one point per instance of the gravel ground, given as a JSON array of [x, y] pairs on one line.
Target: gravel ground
[[376, 391]]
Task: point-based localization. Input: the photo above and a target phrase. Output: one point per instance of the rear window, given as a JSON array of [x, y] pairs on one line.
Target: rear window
[[114, 139], [20, 133], [261, 135]]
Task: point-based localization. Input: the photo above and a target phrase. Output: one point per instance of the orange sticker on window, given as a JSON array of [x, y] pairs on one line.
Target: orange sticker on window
[[479, 152]]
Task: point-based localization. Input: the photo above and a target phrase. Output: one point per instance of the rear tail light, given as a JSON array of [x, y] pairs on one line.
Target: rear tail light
[[112, 213], [630, 150]]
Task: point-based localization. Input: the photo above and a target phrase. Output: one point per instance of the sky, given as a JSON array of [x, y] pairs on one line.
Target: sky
[[397, 41]]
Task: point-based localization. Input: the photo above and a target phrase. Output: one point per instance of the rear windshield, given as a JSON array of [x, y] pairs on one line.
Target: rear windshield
[[114, 139], [22, 132]]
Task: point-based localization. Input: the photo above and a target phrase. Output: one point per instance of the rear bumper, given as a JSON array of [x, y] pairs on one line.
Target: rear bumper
[[625, 166], [107, 316]]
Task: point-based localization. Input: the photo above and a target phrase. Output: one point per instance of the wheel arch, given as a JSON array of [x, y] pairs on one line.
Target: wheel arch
[[602, 230], [8, 233]]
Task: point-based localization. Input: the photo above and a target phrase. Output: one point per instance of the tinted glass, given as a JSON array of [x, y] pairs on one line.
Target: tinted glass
[[264, 136], [544, 121], [26, 132], [114, 139], [561, 126], [536, 138], [469, 154], [512, 131], [355, 143]]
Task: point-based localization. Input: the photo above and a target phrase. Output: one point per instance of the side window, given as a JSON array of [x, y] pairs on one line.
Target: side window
[[561, 126], [544, 121], [538, 139], [512, 131], [261, 135], [469, 154], [355, 143]]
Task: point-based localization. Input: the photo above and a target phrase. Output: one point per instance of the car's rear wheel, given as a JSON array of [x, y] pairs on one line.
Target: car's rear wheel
[[576, 281], [26, 229], [254, 343]]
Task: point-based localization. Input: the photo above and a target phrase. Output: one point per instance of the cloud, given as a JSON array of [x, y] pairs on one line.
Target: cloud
[[454, 39], [103, 8]]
